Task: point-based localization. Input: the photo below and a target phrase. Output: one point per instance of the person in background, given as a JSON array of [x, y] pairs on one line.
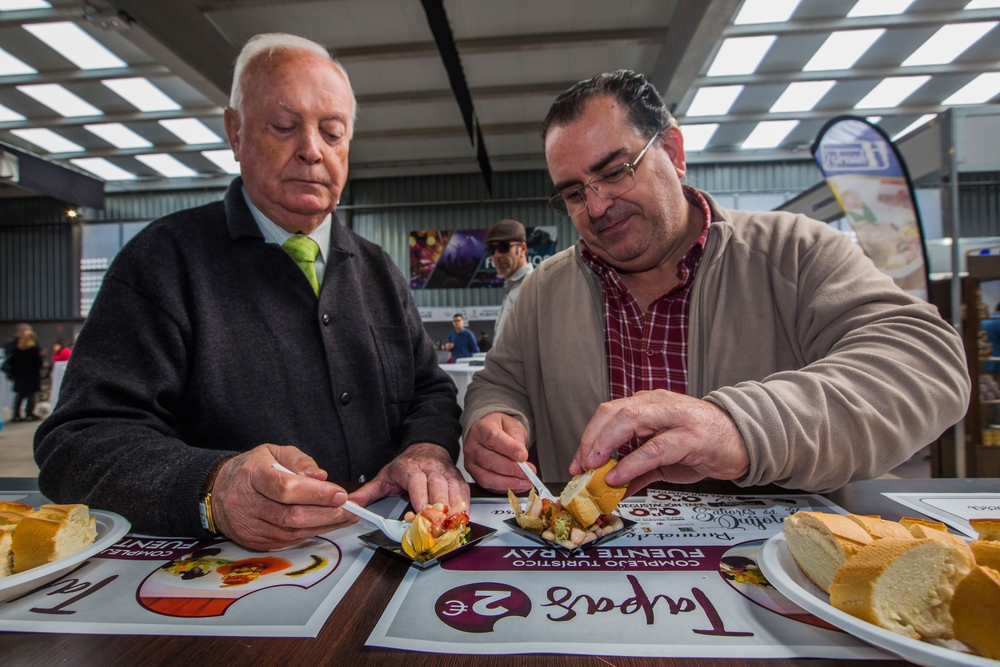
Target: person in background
[[693, 341], [506, 245], [8, 349], [26, 371], [461, 342], [60, 352], [256, 331], [484, 342]]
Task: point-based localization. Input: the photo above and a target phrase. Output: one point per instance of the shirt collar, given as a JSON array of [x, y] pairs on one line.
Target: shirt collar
[[519, 275], [273, 233]]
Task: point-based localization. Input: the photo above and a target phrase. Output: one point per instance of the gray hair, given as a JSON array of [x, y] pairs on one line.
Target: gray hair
[[271, 43]]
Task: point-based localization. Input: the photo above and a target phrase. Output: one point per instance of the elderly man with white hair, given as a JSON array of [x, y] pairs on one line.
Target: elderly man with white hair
[[252, 332]]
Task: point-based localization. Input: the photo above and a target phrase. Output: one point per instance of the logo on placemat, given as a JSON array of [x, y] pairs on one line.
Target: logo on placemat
[[477, 607]]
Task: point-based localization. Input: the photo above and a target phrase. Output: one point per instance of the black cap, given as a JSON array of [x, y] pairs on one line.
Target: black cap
[[506, 230]]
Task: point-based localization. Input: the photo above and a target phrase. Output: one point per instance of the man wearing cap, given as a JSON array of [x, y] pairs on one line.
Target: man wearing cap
[[507, 246]]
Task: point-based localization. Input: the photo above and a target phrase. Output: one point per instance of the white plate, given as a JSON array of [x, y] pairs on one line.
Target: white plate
[[110, 528], [780, 569]]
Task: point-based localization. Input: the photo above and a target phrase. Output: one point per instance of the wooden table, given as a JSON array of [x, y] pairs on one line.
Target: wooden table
[[342, 639]]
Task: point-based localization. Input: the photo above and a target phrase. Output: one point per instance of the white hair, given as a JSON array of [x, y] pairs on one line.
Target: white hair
[[279, 42]]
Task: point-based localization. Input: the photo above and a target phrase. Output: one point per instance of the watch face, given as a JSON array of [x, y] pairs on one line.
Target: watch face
[[203, 514]]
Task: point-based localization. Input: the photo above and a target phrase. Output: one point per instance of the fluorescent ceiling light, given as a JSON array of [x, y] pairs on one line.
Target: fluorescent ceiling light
[[802, 96], [878, 7], [983, 4], [948, 43], [75, 45], [142, 94], [769, 133], [102, 168], [118, 135], [7, 115], [842, 49], [696, 137], [891, 91], [714, 100], [923, 120], [873, 119], [60, 100], [191, 131], [226, 161], [766, 11], [978, 91], [167, 165], [48, 140], [9, 65], [740, 55], [14, 5]]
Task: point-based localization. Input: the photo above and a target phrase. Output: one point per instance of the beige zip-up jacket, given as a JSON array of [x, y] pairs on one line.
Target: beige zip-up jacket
[[830, 371]]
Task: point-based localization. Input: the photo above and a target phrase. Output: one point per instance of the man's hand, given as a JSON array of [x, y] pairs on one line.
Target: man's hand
[[265, 509], [449, 346], [493, 447], [424, 472], [684, 440]]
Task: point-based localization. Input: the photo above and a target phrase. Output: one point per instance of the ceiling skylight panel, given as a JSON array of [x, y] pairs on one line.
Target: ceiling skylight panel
[[696, 137], [769, 134], [226, 161], [878, 7], [60, 100], [923, 120], [766, 11], [75, 45], [118, 135], [167, 165], [8, 115], [48, 140], [983, 4], [105, 169], [891, 91], [740, 55], [842, 49], [713, 100], [191, 131], [802, 96], [15, 5], [142, 94], [978, 91], [9, 65], [948, 43], [873, 119]]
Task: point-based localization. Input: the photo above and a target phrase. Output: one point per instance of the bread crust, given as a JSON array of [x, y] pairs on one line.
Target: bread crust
[[922, 532], [845, 536], [988, 529], [986, 553], [909, 522], [34, 543], [975, 608], [604, 495], [879, 528], [587, 496]]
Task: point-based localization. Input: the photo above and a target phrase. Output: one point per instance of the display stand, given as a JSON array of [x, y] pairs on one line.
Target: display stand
[[981, 460]]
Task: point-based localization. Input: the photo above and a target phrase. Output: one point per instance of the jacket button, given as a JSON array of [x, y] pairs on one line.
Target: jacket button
[[345, 398], [326, 319]]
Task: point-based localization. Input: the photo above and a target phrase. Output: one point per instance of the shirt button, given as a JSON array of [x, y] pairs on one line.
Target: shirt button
[[345, 398], [326, 319], [649, 353], [361, 479]]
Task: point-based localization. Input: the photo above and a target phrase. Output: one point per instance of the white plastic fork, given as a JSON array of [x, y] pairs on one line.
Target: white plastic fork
[[392, 528], [543, 491]]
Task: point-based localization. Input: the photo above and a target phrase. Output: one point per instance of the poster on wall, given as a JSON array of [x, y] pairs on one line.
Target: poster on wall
[[868, 178], [456, 258]]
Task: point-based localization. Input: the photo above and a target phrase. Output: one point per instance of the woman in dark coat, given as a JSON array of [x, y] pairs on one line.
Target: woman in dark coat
[[25, 369]]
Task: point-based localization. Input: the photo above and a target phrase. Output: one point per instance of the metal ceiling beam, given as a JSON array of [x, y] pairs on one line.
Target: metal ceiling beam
[[130, 152], [130, 117], [484, 93], [75, 75], [448, 131], [816, 114], [80, 13], [905, 20], [849, 74]]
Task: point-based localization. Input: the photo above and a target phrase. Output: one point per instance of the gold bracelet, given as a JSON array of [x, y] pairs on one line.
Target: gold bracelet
[[205, 510]]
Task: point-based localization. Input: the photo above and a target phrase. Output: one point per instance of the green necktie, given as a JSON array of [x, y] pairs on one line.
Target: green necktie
[[304, 250]]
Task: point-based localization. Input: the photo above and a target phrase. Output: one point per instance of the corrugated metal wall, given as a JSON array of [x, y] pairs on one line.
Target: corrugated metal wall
[[979, 204], [38, 275]]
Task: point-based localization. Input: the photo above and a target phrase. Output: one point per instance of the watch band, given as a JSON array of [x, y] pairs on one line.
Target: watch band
[[205, 512]]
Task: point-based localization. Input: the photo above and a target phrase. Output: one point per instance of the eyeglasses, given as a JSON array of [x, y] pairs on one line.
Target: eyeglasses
[[502, 247], [610, 184]]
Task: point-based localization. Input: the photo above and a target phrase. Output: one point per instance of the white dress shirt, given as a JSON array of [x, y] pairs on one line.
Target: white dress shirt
[[275, 234]]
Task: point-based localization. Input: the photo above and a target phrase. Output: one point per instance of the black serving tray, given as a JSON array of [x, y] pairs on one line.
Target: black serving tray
[[380, 542], [626, 528]]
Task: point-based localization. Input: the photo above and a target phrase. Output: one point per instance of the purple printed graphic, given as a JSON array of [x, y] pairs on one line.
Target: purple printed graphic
[[607, 559], [477, 607]]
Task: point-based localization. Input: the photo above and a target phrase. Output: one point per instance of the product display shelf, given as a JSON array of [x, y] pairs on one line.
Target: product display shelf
[[982, 458]]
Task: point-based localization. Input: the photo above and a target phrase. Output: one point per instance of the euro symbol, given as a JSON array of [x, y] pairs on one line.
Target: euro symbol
[[455, 607]]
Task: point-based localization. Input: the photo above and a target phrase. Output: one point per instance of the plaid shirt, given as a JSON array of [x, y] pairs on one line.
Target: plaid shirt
[[648, 351]]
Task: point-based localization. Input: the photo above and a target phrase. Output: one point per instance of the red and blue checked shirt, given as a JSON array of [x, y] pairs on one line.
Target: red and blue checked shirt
[[648, 350]]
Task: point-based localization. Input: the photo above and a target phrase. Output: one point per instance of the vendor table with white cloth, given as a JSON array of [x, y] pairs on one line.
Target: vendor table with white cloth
[[461, 374]]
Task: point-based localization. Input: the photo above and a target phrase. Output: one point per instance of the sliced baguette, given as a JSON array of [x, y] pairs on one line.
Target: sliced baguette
[[922, 532], [987, 553], [51, 533], [588, 496], [988, 529], [21, 508], [902, 585], [879, 528], [6, 556], [821, 543], [975, 608], [910, 521]]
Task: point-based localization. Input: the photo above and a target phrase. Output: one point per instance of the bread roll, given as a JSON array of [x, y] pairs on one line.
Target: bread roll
[[51, 533], [821, 543], [909, 522], [588, 496], [988, 529], [878, 528], [902, 585], [975, 610], [6, 557], [923, 532]]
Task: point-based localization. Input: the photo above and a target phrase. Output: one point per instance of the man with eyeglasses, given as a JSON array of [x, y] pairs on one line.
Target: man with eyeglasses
[[691, 341], [506, 245]]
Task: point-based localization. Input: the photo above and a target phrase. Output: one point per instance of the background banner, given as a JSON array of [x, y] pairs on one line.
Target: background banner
[[456, 258], [873, 188]]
